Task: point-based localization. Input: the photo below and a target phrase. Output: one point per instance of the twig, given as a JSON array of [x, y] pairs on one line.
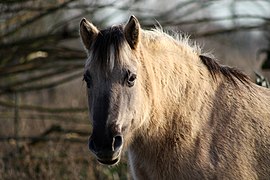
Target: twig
[[50, 84], [231, 30], [43, 109], [42, 139], [13, 85]]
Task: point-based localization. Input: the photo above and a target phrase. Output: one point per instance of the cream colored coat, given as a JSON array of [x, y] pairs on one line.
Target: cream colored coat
[[193, 118]]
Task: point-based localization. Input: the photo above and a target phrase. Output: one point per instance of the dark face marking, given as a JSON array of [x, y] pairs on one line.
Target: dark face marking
[[111, 77]]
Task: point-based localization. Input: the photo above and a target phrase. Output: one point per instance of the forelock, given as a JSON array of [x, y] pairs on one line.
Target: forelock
[[105, 52]]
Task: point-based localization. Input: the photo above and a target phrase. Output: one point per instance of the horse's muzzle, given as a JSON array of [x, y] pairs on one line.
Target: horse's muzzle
[[108, 155]]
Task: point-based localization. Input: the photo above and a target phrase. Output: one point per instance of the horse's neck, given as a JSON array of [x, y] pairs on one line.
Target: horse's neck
[[177, 98], [177, 94], [178, 84]]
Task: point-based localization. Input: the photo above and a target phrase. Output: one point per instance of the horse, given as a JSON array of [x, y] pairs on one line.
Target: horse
[[177, 112]]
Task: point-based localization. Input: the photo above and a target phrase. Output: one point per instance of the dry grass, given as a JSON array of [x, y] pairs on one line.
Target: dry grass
[[55, 160]]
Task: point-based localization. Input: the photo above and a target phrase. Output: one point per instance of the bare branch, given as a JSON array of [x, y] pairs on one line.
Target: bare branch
[[230, 30], [48, 85], [43, 109]]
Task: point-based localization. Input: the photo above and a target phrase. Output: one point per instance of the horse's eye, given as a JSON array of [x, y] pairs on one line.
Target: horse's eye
[[131, 77], [87, 78]]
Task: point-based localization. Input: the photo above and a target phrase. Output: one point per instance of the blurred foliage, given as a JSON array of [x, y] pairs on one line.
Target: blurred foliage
[[37, 37], [40, 50]]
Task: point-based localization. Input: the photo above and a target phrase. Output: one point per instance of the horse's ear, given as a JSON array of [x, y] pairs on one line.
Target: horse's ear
[[132, 32], [88, 33]]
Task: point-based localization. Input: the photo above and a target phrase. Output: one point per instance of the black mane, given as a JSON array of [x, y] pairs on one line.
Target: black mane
[[228, 72]]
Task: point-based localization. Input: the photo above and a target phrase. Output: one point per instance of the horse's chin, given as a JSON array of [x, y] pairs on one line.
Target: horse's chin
[[109, 161]]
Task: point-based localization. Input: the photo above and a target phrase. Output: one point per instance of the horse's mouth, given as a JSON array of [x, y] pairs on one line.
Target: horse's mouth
[[109, 161]]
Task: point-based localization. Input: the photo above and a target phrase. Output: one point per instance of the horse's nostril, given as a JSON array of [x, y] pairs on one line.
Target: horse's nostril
[[107, 146], [117, 142]]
